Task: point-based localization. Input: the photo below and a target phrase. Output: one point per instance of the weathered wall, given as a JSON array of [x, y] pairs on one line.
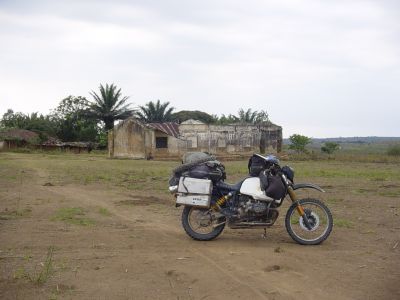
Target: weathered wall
[[110, 143], [132, 139], [129, 140], [232, 139], [271, 140], [176, 147], [149, 142]]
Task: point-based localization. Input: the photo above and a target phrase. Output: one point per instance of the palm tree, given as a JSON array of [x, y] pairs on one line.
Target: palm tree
[[252, 117], [247, 116], [155, 112], [109, 106]]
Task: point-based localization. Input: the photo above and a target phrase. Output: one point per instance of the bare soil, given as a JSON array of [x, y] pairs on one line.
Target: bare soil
[[129, 244]]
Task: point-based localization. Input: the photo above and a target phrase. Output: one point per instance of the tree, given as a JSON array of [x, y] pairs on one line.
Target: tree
[[261, 117], [252, 117], [13, 120], [244, 116], [330, 147], [71, 105], [41, 124], [225, 120], [184, 115], [72, 121], [109, 106], [247, 116], [155, 112], [299, 142]]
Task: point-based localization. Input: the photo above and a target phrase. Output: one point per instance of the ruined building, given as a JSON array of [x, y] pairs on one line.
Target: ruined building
[[134, 139]]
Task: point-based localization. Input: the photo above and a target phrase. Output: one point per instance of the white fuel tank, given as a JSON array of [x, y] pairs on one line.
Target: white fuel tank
[[252, 187]]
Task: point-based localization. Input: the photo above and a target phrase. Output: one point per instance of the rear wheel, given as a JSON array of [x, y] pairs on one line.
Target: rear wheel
[[319, 219], [202, 224]]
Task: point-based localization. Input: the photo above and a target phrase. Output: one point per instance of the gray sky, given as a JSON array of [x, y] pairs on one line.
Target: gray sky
[[320, 68]]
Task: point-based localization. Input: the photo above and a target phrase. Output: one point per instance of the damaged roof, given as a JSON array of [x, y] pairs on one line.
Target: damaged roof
[[170, 128]]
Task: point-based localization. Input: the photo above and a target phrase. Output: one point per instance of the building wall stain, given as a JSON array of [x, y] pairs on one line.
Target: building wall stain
[[133, 139]]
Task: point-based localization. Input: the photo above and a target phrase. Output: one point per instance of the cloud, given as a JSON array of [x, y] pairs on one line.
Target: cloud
[[303, 61]]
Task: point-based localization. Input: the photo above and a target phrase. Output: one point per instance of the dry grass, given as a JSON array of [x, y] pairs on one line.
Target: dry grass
[[120, 198]]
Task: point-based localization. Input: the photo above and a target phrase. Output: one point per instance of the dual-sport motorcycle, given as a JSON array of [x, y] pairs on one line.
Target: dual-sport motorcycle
[[210, 203]]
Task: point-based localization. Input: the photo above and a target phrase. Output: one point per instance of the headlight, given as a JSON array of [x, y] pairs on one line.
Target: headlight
[[173, 189], [289, 173]]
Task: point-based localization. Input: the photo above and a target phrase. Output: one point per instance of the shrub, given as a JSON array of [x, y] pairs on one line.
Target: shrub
[[330, 147], [394, 150], [299, 142]]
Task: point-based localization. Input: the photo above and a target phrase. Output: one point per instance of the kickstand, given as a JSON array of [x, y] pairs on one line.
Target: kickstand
[[264, 235]]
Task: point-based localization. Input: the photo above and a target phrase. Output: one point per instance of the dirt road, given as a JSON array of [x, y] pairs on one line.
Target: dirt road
[[130, 245]]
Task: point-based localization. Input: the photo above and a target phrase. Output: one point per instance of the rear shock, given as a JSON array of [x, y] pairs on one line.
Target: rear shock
[[221, 201]]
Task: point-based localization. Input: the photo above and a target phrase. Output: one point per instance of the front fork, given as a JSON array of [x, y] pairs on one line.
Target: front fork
[[299, 208]]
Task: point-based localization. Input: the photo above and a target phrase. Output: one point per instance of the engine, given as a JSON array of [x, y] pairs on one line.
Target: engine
[[251, 212], [250, 207]]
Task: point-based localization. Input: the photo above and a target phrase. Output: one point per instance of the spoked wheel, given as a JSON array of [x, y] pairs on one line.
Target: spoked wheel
[[320, 222], [201, 223]]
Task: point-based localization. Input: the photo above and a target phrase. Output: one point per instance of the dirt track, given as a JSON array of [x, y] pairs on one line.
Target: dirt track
[[140, 251]]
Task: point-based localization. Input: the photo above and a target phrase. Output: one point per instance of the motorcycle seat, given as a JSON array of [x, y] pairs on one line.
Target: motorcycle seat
[[230, 187]]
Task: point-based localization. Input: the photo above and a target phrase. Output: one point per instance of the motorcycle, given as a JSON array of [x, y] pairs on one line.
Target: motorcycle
[[210, 203]]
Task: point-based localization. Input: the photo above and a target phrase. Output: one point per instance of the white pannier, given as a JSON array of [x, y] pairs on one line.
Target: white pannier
[[195, 192]]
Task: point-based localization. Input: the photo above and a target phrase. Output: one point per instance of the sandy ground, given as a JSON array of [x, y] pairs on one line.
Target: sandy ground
[[138, 250]]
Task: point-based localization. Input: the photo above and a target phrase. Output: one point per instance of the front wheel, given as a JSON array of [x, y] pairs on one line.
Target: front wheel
[[201, 223], [320, 222]]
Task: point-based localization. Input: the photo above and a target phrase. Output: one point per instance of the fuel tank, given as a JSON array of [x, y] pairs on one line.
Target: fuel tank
[[252, 187]]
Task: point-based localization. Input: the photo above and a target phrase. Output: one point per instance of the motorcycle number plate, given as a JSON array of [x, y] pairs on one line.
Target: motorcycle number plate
[[194, 200]]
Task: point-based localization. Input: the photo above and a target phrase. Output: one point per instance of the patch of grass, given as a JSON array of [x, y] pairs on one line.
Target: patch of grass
[[28, 257], [363, 191], [43, 275], [104, 211], [334, 200], [345, 170], [60, 290], [20, 273], [390, 193], [40, 276], [343, 223], [14, 214], [394, 150], [378, 179], [73, 215]]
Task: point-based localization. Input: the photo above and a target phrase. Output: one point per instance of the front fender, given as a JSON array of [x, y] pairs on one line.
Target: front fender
[[307, 186]]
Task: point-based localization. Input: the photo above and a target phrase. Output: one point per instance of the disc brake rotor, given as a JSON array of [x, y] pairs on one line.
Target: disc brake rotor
[[313, 220]]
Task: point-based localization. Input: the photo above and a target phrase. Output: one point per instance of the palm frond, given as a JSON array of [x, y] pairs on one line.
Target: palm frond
[[109, 105]]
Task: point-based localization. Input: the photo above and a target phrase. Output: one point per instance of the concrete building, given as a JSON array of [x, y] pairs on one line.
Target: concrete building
[[133, 139]]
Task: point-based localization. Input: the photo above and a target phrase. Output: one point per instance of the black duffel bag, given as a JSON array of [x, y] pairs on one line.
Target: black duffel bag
[[272, 185], [256, 165], [212, 170]]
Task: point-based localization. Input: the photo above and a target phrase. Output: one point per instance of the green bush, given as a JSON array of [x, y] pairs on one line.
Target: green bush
[[330, 147], [299, 143], [394, 150]]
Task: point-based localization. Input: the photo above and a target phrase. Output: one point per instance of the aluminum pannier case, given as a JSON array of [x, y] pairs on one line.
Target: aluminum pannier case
[[195, 192], [189, 185]]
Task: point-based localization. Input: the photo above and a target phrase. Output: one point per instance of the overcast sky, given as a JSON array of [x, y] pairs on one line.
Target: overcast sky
[[319, 68]]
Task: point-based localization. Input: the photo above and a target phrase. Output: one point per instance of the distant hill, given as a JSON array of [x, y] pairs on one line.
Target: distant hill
[[352, 140]]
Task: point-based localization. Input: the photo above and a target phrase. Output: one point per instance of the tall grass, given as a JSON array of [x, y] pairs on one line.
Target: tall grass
[[394, 150], [38, 276]]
